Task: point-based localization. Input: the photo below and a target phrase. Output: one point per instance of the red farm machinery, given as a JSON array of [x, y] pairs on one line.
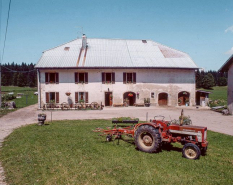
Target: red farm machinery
[[151, 136]]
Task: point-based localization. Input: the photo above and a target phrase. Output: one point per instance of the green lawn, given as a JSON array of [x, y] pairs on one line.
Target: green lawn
[[68, 152], [28, 99]]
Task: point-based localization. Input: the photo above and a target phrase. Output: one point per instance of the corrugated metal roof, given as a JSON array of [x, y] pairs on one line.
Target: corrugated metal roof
[[226, 65], [115, 53]]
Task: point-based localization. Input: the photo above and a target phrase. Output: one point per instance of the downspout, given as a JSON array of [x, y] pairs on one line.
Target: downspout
[[39, 89]]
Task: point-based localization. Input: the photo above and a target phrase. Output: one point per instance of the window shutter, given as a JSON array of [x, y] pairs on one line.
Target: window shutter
[[46, 78], [76, 97], [57, 97], [86, 78], [86, 97], [134, 78], [57, 78], [124, 78], [76, 77], [103, 78], [113, 78], [47, 97]]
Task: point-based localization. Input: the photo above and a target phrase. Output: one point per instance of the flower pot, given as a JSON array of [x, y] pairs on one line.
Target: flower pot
[[147, 104], [41, 119]]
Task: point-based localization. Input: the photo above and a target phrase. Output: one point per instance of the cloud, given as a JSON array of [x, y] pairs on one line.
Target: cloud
[[230, 52], [230, 29]]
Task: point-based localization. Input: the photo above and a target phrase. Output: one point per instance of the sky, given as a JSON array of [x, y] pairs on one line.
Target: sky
[[201, 28]]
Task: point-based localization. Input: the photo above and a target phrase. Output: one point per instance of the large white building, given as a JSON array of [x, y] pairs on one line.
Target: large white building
[[113, 71]]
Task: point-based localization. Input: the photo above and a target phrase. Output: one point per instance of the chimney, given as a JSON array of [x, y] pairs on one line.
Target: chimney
[[84, 41]]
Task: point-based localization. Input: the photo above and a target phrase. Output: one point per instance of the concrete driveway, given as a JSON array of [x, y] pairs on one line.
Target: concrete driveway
[[201, 117]]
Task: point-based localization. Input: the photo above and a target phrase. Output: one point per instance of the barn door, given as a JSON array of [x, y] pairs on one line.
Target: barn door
[[163, 99]]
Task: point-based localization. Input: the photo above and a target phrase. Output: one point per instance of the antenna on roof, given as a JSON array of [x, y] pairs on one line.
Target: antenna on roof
[[79, 32]]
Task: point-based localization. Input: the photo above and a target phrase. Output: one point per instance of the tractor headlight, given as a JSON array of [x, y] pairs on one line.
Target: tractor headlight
[[205, 135]]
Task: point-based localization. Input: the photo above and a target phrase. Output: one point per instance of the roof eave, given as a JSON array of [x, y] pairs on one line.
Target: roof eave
[[226, 65], [186, 68]]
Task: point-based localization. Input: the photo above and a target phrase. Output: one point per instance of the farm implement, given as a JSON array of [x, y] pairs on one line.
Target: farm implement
[[150, 137]]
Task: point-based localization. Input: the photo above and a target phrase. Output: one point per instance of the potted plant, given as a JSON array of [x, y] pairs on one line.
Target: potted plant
[[126, 102], [179, 102], [51, 104], [41, 118], [68, 93], [147, 102]]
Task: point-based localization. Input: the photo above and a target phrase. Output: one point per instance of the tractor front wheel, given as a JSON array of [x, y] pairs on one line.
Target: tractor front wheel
[[191, 151], [147, 139]]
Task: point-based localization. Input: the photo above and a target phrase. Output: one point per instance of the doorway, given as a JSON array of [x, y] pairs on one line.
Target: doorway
[[129, 98], [108, 98], [162, 99], [183, 98]]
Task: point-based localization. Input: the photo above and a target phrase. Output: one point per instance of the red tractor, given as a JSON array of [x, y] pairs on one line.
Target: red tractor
[[150, 137]]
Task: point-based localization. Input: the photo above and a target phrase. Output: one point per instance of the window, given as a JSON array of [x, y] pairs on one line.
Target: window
[[67, 48], [152, 95], [81, 78], [52, 97], [81, 97], [108, 78], [51, 78], [129, 78]]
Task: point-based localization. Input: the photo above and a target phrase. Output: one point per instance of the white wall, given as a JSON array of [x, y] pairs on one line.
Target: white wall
[[230, 89], [171, 81]]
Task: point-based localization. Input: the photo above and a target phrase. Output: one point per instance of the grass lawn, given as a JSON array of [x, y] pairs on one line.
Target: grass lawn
[[68, 152], [28, 99]]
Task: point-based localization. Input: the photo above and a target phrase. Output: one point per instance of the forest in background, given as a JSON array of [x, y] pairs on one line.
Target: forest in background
[[25, 75], [19, 75]]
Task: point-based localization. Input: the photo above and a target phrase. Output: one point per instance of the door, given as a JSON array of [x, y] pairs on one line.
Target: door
[[108, 98], [162, 99]]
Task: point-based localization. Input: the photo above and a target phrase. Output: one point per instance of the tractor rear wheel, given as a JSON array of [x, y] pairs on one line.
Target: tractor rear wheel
[[191, 151], [148, 139]]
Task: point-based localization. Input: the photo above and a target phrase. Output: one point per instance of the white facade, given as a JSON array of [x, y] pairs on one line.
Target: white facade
[[170, 81]]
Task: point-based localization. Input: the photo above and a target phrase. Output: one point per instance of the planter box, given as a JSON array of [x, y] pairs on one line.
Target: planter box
[[124, 121], [147, 104]]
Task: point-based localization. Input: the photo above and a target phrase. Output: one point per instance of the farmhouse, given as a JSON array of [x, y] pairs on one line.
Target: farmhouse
[[228, 67], [116, 72]]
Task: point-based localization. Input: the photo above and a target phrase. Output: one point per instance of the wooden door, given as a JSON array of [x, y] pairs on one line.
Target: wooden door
[[163, 99]]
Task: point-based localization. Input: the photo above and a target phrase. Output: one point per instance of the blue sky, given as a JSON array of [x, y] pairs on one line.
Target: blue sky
[[201, 28]]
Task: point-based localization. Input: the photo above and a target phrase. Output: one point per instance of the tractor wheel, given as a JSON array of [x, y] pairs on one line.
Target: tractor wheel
[[148, 139], [191, 151]]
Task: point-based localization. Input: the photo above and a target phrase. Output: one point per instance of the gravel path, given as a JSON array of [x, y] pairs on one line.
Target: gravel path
[[202, 117]]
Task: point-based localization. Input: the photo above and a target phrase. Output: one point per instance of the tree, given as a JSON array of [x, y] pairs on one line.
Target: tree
[[198, 79], [15, 79], [21, 80], [222, 81], [208, 81]]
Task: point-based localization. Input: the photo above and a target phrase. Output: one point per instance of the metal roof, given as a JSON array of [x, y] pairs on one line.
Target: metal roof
[[226, 65], [119, 53]]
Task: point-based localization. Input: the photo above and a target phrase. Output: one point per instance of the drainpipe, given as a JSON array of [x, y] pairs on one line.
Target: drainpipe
[[39, 89]]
